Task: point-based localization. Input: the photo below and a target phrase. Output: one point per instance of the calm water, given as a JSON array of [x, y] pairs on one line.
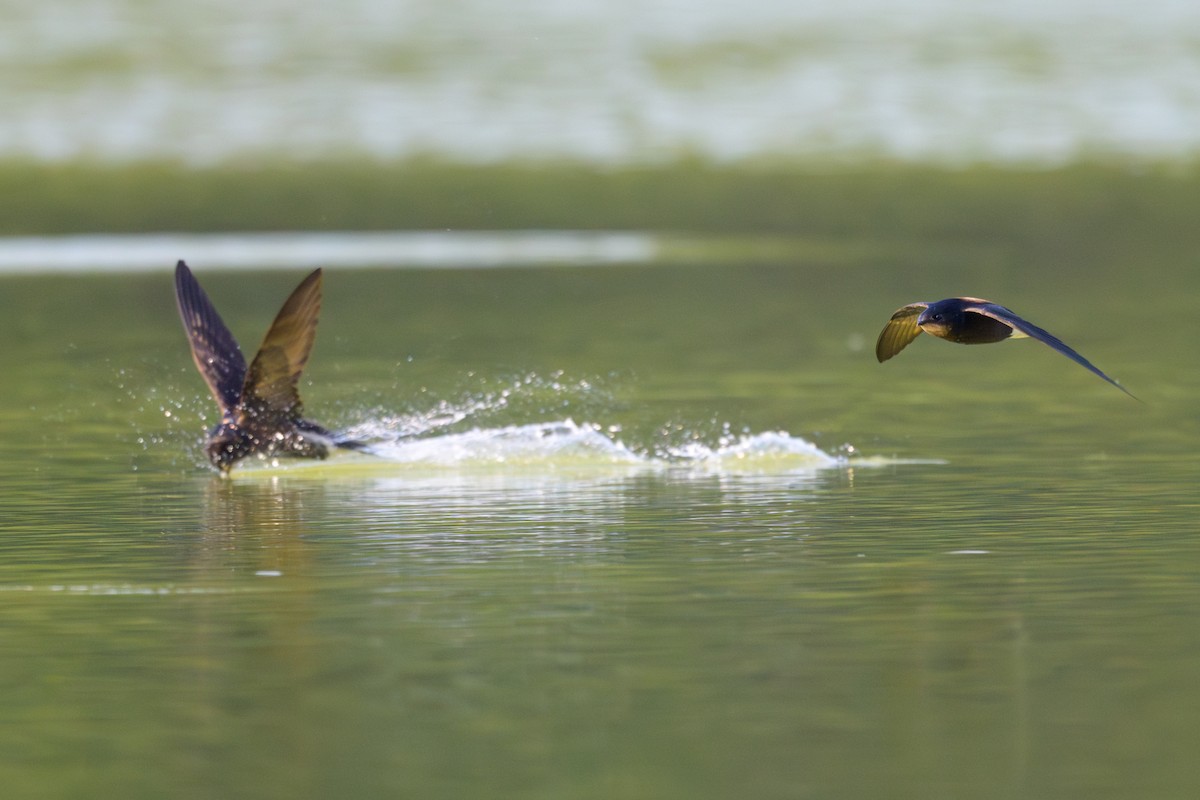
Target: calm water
[[647, 519], [642, 531], [609, 82]]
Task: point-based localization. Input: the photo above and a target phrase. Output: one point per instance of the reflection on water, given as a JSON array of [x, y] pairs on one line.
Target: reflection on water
[[502, 492], [470, 507]]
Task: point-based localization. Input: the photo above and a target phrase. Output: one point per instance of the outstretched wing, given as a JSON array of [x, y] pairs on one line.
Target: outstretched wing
[[900, 330], [272, 380], [1026, 328], [214, 349]]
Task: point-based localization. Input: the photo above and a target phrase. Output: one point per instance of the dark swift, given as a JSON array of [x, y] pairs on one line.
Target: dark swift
[[969, 320], [260, 406]]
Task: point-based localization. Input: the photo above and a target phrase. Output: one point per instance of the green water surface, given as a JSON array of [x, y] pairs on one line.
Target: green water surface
[[1002, 603]]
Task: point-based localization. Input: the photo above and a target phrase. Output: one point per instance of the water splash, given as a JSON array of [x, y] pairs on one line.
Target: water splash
[[488, 430], [773, 450], [560, 443], [565, 445]]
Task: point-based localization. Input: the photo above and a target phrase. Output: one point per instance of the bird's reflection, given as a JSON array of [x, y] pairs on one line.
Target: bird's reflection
[[263, 523]]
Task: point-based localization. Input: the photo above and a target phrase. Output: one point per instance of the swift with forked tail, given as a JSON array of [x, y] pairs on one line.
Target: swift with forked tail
[[970, 320], [260, 406]]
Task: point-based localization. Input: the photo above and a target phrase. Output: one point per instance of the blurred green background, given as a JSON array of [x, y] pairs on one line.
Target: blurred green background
[[968, 572]]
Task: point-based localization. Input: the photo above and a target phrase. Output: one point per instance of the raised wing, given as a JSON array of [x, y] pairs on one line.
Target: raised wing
[[1002, 314], [900, 330], [214, 349], [272, 380]]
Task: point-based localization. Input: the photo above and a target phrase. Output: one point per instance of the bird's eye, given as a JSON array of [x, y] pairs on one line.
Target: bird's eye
[[937, 317]]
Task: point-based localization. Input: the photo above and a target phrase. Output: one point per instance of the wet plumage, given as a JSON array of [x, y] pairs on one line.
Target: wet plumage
[[260, 405], [969, 320]]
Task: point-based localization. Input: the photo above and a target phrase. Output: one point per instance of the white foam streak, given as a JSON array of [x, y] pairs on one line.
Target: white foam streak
[[569, 446], [555, 444], [298, 249], [772, 450]]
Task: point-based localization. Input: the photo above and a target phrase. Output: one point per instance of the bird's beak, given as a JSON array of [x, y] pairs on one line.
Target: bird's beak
[[939, 329]]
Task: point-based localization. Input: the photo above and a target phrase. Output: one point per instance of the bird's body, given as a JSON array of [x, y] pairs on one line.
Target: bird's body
[[969, 320], [260, 405]]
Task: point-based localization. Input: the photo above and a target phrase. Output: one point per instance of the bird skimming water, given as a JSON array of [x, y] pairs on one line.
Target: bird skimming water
[[260, 406], [969, 320]]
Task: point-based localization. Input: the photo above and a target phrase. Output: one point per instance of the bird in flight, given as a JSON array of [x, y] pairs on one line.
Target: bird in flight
[[260, 406], [969, 320]]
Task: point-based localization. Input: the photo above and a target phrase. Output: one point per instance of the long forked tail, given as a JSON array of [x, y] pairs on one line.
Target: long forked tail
[[352, 444], [338, 439]]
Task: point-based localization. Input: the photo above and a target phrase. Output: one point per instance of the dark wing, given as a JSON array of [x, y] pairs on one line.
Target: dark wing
[[214, 349], [900, 330], [271, 382], [1002, 314]]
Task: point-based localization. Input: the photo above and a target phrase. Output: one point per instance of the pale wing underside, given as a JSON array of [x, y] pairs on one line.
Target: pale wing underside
[[271, 384], [901, 329]]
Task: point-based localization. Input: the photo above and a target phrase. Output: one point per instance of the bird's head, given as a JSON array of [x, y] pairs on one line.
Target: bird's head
[[227, 445], [941, 318]]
